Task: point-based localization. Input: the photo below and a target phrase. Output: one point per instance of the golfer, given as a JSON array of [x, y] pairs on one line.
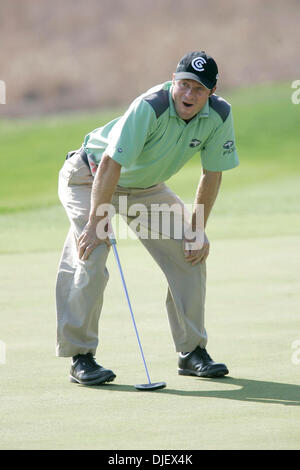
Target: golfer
[[132, 156]]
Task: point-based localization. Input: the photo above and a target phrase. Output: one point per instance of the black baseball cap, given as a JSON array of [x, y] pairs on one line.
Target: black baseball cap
[[198, 66]]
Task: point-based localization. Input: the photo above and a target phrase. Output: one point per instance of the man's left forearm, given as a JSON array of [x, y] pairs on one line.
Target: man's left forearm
[[206, 194]]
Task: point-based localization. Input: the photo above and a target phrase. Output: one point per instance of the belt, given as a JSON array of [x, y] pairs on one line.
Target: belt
[[85, 159], [133, 187], [82, 154]]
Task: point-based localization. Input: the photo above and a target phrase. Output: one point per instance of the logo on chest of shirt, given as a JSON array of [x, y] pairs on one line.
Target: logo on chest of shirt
[[195, 143]]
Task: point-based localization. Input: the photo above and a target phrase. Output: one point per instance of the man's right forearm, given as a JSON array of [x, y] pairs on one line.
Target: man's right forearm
[[105, 182]]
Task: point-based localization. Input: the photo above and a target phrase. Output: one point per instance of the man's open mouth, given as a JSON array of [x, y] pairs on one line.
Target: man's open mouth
[[188, 105]]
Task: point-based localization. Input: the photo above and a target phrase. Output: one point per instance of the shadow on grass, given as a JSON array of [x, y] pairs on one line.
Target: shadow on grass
[[248, 390]]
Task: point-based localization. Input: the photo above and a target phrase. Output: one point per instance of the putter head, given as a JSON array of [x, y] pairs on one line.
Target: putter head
[[151, 386]]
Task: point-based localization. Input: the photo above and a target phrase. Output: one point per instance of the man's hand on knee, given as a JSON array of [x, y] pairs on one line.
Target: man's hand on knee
[[89, 240], [194, 252]]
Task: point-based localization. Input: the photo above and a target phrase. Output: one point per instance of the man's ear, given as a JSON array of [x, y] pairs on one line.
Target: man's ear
[[173, 78], [212, 90]]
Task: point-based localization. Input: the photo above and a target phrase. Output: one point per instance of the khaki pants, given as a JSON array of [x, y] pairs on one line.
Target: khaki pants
[[81, 284]]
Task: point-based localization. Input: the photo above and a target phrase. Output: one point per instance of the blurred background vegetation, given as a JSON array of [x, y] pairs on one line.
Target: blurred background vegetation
[[74, 54]]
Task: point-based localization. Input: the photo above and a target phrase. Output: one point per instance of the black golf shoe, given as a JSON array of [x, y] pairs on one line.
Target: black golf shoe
[[86, 371], [200, 363]]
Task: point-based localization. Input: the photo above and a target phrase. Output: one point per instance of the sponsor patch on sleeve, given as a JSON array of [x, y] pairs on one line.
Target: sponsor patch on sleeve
[[228, 147]]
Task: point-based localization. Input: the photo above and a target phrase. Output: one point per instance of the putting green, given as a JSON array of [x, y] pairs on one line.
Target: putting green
[[252, 322]]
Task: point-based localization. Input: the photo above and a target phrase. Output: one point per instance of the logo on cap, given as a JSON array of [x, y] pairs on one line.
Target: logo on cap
[[198, 63]]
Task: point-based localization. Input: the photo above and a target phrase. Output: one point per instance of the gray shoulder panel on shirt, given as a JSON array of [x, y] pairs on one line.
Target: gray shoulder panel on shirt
[[220, 106], [159, 101]]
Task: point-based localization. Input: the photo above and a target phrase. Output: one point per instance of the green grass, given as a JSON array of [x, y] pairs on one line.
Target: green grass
[[32, 153], [252, 309], [252, 321]]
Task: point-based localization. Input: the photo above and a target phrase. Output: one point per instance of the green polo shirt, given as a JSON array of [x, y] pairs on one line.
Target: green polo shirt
[[151, 142]]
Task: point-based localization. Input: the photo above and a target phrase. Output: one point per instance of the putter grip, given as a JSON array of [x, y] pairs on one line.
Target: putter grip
[[112, 239], [111, 235]]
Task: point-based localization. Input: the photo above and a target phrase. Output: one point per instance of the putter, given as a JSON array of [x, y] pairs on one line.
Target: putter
[[150, 385]]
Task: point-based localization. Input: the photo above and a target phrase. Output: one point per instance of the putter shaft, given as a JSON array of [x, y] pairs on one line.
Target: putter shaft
[[113, 243]]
